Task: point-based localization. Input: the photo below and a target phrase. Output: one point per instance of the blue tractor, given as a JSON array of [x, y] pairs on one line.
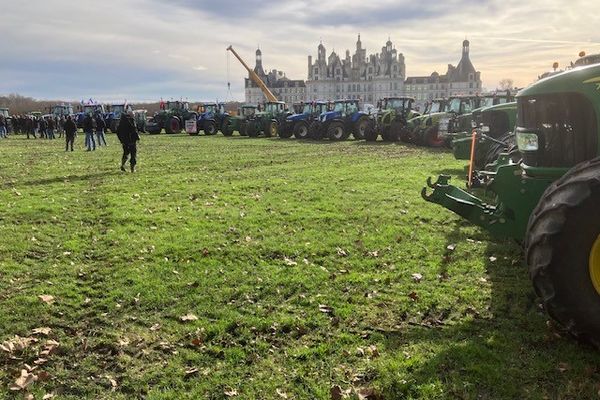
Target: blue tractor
[[114, 115], [299, 124], [345, 119], [91, 109], [213, 118]]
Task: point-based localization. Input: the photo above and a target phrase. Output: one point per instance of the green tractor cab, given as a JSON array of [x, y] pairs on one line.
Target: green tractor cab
[[494, 129], [418, 127], [238, 122], [392, 119], [171, 118], [460, 125], [549, 199], [141, 119], [268, 120]]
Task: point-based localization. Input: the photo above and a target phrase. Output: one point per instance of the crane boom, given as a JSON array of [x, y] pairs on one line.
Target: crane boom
[[254, 77]]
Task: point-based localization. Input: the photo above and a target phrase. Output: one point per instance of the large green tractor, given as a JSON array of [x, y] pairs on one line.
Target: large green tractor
[[417, 126], [494, 134], [238, 122], [549, 199], [459, 125], [267, 121], [171, 118], [392, 119]]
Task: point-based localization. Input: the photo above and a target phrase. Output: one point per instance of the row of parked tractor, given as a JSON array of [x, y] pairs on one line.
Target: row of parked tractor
[[442, 123]]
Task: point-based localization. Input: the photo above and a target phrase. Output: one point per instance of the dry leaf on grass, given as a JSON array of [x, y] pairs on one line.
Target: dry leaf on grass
[[42, 331], [46, 298], [188, 318], [23, 381], [230, 392]]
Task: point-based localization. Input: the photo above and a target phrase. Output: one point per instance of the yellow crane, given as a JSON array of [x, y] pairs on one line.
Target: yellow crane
[[254, 77]]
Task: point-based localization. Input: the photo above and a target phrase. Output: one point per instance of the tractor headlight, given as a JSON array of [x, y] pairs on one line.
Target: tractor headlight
[[484, 129], [473, 124], [527, 141]]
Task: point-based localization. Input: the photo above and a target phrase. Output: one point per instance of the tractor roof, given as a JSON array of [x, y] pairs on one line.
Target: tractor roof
[[579, 80], [400, 98]]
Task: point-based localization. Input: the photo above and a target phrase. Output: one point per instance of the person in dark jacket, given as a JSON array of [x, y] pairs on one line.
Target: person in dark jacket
[[100, 127], [89, 125], [50, 128], [128, 136], [3, 129], [43, 126], [70, 132]]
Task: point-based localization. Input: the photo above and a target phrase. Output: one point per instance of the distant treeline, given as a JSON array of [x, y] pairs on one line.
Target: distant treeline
[[18, 104]]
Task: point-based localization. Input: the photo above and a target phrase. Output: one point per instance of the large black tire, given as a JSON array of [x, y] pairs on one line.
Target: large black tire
[[337, 132], [243, 128], [562, 243], [495, 149], [173, 125], [314, 130], [432, 137], [360, 129], [371, 135], [226, 128], [286, 132], [272, 129], [405, 134], [395, 131], [210, 128], [153, 128], [252, 129], [301, 130]]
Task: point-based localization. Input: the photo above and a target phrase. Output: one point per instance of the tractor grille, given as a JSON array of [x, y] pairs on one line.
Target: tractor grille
[[566, 127]]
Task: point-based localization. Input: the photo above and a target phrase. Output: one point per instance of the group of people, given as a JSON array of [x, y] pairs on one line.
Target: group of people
[[93, 126], [43, 127]]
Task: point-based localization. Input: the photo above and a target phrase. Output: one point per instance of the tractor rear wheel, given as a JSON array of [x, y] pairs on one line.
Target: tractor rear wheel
[[210, 128], [272, 129], [371, 135], [173, 126], [243, 128], [286, 131], [432, 137], [405, 134], [314, 130], [252, 129], [226, 127], [394, 132], [563, 251], [360, 129], [337, 132], [301, 130]]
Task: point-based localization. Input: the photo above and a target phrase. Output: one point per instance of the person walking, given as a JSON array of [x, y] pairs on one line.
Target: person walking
[[29, 127], [89, 124], [70, 132], [61, 125], [128, 136], [100, 127], [43, 126], [2, 127], [50, 129]]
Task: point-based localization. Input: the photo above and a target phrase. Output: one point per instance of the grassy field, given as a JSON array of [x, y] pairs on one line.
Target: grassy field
[[262, 269]]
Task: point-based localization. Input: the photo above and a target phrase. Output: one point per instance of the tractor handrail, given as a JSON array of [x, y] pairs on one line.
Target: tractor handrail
[[254, 77]]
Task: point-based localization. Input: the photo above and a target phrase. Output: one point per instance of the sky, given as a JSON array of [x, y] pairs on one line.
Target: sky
[[144, 50]]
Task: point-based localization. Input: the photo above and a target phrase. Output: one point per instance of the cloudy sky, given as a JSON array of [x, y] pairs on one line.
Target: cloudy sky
[[147, 49]]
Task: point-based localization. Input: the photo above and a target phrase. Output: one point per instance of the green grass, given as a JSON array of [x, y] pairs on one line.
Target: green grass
[[297, 259]]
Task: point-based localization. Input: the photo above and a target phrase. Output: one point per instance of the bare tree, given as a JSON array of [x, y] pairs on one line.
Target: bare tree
[[506, 84]]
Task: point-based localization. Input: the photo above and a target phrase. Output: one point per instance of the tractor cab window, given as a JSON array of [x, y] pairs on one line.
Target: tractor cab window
[[487, 102], [566, 127], [339, 107], [454, 106], [248, 111], [394, 104], [466, 107], [307, 109], [222, 108], [352, 108], [210, 108]]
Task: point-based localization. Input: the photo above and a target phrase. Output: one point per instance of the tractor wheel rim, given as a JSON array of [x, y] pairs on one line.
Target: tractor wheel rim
[[338, 133], [362, 128], [595, 265], [303, 131], [273, 130]]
